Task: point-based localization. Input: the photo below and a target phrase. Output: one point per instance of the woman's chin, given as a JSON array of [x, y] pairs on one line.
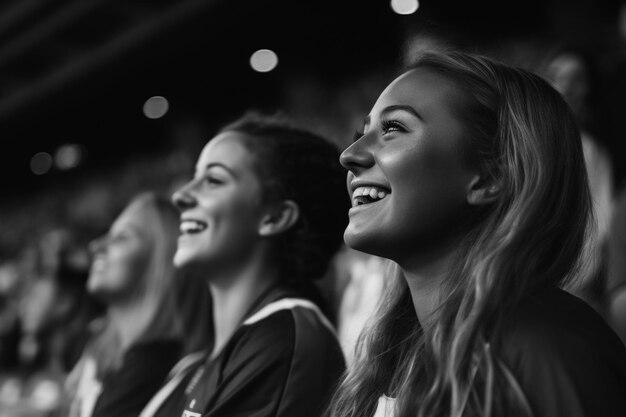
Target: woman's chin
[[182, 259], [186, 261], [360, 241]]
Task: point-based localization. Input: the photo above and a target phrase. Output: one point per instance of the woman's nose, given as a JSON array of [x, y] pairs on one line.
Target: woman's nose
[[183, 198], [358, 155], [97, 244]]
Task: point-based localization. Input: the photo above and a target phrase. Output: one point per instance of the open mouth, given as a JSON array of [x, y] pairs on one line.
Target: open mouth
[[98, 264], [189, 227], [368, 195]]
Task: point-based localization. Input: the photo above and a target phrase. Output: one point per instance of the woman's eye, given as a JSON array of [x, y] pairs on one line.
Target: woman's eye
[[391, 126], [117, 238], [213, 180]]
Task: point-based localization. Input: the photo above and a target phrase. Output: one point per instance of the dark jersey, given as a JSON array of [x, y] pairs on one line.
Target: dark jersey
[[125, 391], [284, 360], [560, 359], [567, 361]]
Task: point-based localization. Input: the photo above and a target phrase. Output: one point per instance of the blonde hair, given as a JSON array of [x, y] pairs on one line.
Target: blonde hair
[[522, 137], [158, 292]]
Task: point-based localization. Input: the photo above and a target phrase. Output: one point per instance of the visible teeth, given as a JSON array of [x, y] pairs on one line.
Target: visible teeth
[[364, 195], [98, 264], [192, 226]]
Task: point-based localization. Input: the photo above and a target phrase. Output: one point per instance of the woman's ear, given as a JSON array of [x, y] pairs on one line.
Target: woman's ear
[[280, 218], [482, 192]]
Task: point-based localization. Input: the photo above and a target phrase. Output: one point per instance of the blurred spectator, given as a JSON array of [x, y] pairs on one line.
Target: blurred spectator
[[360, 296], [616, 271], [616, 268], [9, 317], [53, 309], [140, 339], [575, 74], [56, 305]]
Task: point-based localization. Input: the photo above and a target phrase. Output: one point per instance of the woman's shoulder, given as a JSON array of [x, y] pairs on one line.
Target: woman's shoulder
[[147, 360], [149, 350], [287, 329], [553, 316], [564, 355], [555, 322], [294, 321]]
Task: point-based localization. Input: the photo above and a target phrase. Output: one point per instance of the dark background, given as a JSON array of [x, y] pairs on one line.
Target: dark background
[[79, 71]]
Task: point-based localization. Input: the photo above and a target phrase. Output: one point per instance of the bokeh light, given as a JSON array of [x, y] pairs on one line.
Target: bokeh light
[[68, 156], [155, 107], [263, 60], [405, 7], [41, 163]]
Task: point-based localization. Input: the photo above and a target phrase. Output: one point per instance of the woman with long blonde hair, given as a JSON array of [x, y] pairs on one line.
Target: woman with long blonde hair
[[469, 176], [133, 349]]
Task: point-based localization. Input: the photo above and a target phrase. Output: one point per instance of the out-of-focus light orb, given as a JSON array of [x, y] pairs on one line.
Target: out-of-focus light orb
[[68, 156], [155, 107], [405, 6], [46, 394], [263, 60], [41, 163]]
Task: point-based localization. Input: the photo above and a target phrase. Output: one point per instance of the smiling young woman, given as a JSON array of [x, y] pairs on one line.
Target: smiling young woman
[[469, 176], [260, 221], [132, 350]]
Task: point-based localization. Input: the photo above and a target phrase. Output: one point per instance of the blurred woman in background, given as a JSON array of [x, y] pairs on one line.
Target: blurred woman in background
[[141, 338]]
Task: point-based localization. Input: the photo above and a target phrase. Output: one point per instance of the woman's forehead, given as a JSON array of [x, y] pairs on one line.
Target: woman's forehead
[[227, 148], [134, 216], [421, 89]]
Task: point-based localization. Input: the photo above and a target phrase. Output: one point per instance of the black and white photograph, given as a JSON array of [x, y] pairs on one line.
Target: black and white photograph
[[348, 208]]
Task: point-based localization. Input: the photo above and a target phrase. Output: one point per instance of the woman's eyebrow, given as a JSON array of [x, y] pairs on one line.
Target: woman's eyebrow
[[403, 107], [392, 108], [219, 165]]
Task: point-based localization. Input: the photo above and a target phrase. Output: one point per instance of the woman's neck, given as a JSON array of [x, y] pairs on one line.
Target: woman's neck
[[131, 320], [425, 279], [233, 296]]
